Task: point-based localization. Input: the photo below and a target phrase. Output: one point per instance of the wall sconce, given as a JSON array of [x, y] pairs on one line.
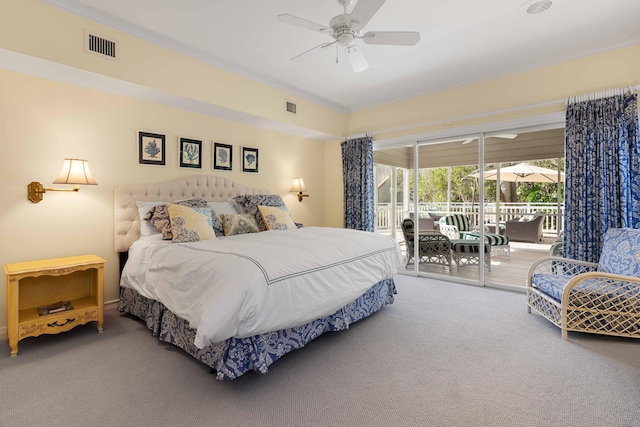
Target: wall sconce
[[297, 185], [74, 171]]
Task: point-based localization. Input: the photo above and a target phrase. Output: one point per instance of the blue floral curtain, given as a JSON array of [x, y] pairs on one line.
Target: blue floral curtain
[[357, 173], [602, 172]]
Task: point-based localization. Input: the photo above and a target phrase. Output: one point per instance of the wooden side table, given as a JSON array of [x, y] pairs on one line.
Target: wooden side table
[[78, 280]]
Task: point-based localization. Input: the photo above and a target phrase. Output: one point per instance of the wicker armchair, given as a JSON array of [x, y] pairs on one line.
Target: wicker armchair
[[525, 229], [435, 248], [602, 298], [424, 223]]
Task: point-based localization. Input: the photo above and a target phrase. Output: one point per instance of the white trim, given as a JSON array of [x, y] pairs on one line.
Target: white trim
[[25, 64], [531, 123]]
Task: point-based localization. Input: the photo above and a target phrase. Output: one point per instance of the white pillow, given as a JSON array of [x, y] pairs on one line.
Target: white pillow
[[146, 228], [228, 207]]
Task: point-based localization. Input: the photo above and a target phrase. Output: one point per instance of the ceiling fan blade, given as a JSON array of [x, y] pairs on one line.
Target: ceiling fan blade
[[399, 38], [312, 52], [356, 59], [299, 22], [364, 10]]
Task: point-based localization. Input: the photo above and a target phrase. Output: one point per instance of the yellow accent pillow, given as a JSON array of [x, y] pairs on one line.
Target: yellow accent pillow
[[190, 224], [276, 218]]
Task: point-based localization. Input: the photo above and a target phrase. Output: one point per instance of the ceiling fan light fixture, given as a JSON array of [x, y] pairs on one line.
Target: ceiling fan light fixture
[[345, 39], [347, 27]]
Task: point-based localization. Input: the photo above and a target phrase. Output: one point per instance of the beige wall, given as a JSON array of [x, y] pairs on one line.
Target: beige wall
[[42, 122], [483, 103], [37, 29], [607, 70]]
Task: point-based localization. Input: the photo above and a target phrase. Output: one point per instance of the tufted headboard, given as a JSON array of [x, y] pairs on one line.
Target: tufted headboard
[[210, 188]]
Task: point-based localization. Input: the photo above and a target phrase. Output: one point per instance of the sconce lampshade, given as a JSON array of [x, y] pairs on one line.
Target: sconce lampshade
[[297, 185], [75, 171]]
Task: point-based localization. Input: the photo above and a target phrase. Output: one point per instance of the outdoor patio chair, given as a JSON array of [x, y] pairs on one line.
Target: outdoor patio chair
[[424, 223], [602, 298], [457, 226], [467, 252], [434, 247], [457, 223], [525, 229]]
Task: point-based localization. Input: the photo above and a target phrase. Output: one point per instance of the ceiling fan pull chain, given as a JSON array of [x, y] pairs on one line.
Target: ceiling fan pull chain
[[336, 53]]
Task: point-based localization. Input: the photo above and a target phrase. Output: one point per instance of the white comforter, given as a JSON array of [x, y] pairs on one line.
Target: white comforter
[[250, 284]]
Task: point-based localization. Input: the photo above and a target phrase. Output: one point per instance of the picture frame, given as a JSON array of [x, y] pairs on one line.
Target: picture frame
[[222, 156], [249, 160], [151, 148], [190, 153]]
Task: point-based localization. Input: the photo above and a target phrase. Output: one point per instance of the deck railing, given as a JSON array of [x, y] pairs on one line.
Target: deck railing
[[508, 211]]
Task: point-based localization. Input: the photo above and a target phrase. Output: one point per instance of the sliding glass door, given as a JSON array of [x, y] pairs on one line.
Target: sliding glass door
[[468, 182]]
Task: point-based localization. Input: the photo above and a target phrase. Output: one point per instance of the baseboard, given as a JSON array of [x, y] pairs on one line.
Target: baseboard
[[109, 307]]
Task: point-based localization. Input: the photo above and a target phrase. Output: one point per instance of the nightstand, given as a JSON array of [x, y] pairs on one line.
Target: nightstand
[[78, 280]]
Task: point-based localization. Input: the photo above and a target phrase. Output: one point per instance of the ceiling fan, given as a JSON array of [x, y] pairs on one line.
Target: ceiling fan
[[347, 28], [504, 136]]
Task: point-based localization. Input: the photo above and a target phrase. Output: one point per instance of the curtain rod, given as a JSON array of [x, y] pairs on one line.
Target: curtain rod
[[479, 115], [357, 135], [601, 94]]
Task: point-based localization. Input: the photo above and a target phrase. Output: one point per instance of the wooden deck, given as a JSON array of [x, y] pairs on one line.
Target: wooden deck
[[505, 272]]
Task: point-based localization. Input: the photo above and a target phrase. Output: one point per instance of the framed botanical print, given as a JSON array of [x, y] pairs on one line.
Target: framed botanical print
[[151, 148], [249, 159], [222, 156], [190, 153]]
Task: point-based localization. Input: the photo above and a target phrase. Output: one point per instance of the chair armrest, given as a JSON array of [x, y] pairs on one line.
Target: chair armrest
[[558, 265], [603, 291], [612, 296], [451, 231]]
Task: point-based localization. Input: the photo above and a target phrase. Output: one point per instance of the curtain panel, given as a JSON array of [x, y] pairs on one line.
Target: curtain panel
[[602, 172], [357, 173]]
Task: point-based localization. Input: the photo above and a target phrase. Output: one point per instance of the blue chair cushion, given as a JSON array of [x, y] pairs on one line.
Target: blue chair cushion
[[585, 293], [490, 238], [551, 284]]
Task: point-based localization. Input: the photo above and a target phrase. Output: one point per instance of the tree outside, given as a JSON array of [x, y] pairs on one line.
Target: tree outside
[[432, 186]]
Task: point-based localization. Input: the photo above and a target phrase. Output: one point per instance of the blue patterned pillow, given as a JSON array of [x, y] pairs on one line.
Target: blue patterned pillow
[[249, 205], [160, 218], [238, 224]]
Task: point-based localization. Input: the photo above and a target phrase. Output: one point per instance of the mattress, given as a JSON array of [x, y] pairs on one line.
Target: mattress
[[246, 285]]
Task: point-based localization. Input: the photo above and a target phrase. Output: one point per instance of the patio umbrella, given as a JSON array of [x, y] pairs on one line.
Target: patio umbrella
[[522, 172]]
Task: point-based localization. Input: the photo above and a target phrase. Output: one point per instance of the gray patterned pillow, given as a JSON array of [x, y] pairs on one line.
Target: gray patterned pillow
[[238, 224], [249, 205], [160, 218]]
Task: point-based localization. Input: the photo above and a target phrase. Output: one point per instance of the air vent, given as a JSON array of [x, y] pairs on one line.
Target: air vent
[[101, 46], [290, 107]]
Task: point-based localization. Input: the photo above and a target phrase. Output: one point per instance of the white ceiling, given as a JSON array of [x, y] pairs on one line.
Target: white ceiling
[[462, 41]]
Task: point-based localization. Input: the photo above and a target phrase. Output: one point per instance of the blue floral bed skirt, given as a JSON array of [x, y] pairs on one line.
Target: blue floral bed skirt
[[235, 356]]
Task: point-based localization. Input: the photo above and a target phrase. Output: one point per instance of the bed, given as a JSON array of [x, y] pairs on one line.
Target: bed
[[240, 302]]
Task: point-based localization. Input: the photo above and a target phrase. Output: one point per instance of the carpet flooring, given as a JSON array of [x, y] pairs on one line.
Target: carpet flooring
[[443, 354]]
